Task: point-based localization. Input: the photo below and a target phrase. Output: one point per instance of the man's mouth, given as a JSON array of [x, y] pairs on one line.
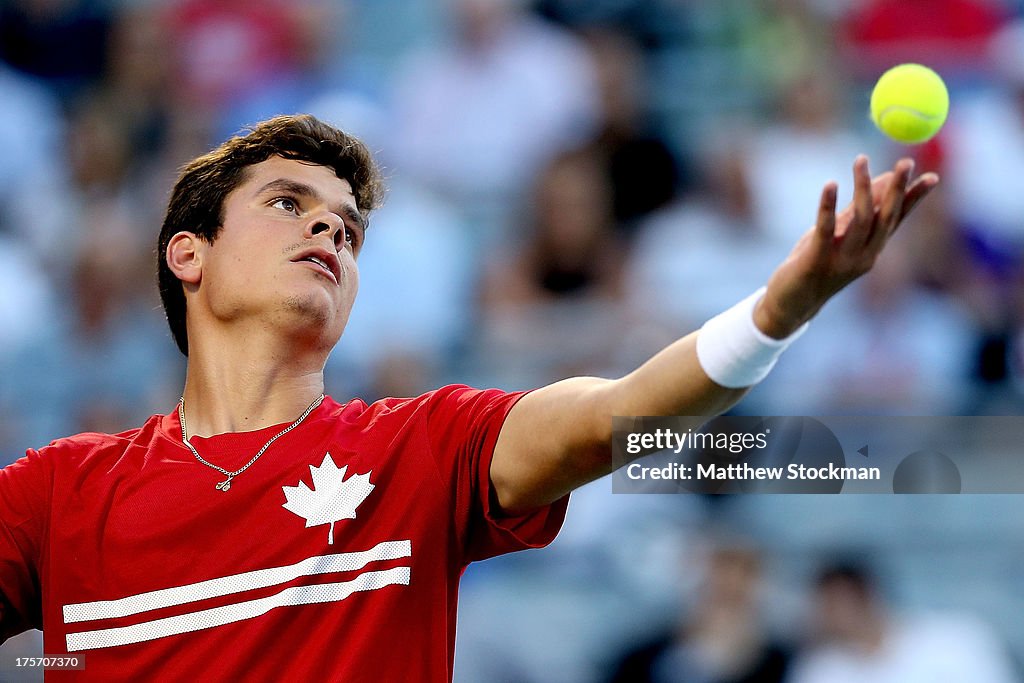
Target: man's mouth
[[326, 262]]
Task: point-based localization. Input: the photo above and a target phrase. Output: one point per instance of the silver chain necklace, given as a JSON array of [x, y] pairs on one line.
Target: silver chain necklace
[[226, 484]]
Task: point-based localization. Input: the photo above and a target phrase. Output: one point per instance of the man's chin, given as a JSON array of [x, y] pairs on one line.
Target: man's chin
[[312, 312]]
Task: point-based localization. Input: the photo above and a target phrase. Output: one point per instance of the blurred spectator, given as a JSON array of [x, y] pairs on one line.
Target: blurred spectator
[[137, 103], [857, 638], [113, 203], [949, 35], [326, 67], [986, 131], [781, 39], [139, 80], [33, 223], [703, 253], [225, 51], [377, 37], [552, 303], [105, 362], [789, 160], [224, 48], [642, 169], [577, 13], [26, 295], [478, 116], [936, 244], [724, 638], [31, 167], [100, 361], [61, 42]]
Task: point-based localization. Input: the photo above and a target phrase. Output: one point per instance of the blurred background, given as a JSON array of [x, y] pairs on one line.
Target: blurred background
[[573, 185]]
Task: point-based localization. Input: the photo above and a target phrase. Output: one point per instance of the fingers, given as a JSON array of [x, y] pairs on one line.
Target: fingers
[[879, 206], [854, 221], [917, 191], [890, 210], [853, 230], [825, 227], [863, 201]]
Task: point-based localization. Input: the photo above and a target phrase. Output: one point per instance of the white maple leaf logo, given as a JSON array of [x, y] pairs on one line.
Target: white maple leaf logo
[[332, 497]]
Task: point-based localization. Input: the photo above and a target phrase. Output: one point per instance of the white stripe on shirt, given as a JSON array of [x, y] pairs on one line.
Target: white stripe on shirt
[[227, 614], [236, 583]]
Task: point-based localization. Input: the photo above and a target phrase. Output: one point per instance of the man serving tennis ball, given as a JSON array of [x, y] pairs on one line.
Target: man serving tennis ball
[[263, 530]]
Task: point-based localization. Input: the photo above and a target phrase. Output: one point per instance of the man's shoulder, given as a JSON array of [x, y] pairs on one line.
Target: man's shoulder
[[444, 412], [86, 443], [357, 408]]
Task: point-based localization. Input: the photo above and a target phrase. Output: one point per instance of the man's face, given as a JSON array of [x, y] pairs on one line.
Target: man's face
[[286, 252], [843, 610]]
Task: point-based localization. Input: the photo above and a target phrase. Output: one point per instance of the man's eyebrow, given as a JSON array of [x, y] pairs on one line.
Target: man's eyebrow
[[296, 187]]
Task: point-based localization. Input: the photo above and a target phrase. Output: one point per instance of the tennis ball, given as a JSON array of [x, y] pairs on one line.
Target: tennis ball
[[909, 103]]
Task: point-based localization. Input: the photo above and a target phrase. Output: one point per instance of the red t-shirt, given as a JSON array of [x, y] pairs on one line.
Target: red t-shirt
[[335, 557]]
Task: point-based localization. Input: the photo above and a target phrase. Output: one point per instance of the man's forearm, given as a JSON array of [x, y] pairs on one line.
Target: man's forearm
[[672, 382], [568, 425]]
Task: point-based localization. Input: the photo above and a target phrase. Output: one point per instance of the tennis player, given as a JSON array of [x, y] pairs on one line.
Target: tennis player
[[261, 530]]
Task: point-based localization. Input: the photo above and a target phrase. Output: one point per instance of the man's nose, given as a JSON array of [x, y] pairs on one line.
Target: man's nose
[[329, 223]]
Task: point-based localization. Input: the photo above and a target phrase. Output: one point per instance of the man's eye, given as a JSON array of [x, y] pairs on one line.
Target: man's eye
[[351, 237], [285, 204]]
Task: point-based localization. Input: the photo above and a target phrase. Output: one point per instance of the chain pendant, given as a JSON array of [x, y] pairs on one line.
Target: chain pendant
[[226, 484]]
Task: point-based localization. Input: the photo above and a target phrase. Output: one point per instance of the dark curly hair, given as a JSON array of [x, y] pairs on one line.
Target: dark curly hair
[[197, 200]]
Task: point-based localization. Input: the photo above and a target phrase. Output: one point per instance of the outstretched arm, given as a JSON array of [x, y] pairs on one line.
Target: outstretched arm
[[558, 438]]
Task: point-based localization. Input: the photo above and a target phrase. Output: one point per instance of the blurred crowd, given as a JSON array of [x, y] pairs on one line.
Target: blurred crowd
[[573, 185]]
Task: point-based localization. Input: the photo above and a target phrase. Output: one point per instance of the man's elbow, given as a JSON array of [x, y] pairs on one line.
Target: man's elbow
[[529, 491]]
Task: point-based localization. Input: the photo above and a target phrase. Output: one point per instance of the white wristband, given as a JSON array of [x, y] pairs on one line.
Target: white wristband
[[734, 352]]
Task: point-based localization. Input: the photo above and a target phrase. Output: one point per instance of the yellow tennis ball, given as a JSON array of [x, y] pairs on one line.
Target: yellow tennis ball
[[909, 103]]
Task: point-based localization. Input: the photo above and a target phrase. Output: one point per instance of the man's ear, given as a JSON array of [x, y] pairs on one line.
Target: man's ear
[[185, 257]]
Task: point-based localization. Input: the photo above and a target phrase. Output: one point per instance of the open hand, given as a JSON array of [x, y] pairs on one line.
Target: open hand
[[840, 247]]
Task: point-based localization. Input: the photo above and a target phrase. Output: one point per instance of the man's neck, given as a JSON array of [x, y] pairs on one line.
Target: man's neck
[[245, 387]]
